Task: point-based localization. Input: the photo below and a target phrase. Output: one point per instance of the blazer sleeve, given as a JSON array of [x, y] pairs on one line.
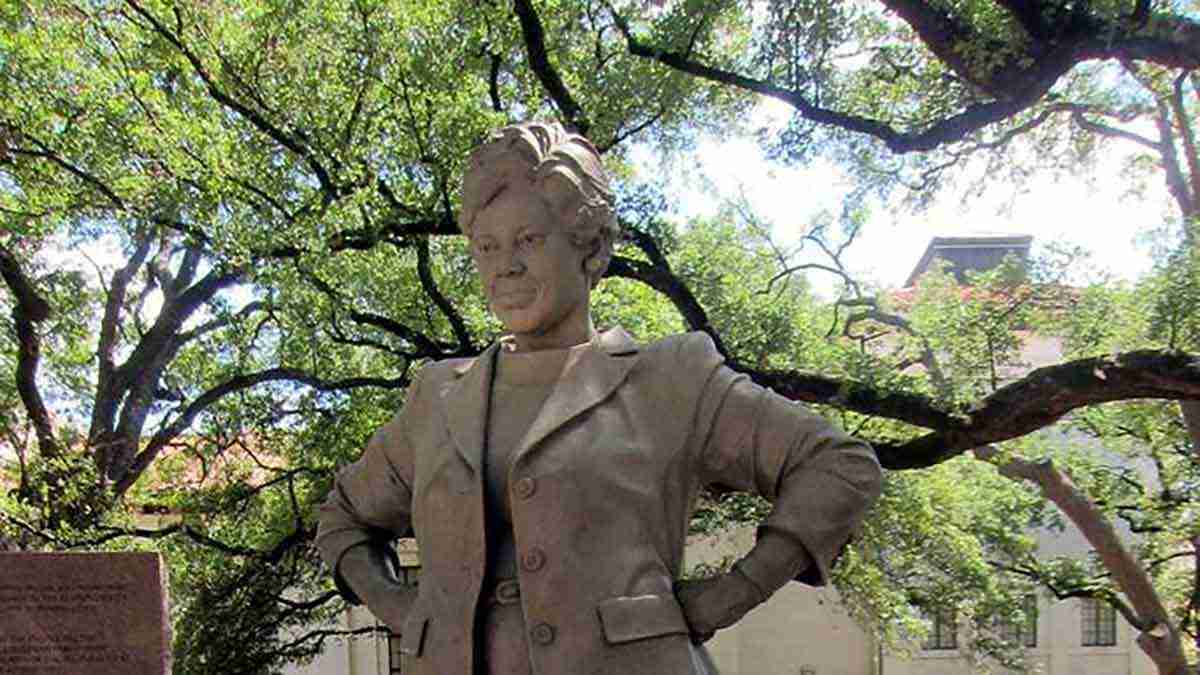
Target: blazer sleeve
[[371, 499], [820, 480]]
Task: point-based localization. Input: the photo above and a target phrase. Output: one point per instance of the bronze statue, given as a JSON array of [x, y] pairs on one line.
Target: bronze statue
[[549, 481]]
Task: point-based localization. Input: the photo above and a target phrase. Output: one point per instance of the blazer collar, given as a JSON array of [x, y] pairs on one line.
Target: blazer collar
[[587, 380]]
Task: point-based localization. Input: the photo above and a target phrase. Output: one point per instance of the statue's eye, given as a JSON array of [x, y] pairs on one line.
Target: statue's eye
[[531, 240], [485, 247]]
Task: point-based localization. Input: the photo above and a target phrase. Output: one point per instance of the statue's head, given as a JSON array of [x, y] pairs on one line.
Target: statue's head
[[538, 211], [561, 168]]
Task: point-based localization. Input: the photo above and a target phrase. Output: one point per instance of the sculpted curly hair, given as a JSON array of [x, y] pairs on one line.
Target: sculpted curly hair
[[562, 168]]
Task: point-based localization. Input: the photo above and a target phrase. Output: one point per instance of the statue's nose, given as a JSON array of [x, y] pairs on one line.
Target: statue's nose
[[514, 265]]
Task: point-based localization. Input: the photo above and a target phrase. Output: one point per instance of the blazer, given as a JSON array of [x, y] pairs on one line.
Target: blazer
[[602, 486]]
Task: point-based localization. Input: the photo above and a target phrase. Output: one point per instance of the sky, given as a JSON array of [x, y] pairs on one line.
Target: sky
[[1100, 216]]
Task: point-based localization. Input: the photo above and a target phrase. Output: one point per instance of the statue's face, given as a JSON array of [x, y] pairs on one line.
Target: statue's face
[[531, 273]]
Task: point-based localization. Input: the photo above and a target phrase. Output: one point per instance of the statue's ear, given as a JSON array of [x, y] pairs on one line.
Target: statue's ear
[[597, 260]]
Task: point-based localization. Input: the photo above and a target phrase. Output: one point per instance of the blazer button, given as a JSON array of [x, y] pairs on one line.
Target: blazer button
[[543, 634], [533, 559], [525, 488]]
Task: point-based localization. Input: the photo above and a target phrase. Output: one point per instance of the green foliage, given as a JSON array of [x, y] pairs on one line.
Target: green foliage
[[1176, 293], [715, 513], [973, 328], [731, 274], [941, 538], [239, 609], [58, 496]]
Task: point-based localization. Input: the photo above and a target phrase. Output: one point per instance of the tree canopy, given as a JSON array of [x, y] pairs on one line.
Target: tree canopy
[[229, 240]]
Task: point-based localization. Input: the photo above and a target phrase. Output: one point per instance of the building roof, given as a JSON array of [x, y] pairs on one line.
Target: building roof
[[971, 253]]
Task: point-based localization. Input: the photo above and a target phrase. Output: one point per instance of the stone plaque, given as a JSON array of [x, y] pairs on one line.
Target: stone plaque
[[73, 613]]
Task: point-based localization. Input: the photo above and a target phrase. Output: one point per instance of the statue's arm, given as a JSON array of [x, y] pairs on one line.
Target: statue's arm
[[367, 509], [369, 572], [820, 480]]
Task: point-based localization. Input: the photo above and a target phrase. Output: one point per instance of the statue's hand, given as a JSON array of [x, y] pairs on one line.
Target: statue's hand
[[715, 603], [392, 606], [366, 570]]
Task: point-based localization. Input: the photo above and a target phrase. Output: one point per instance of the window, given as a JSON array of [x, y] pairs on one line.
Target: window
[[1099, 623], [1022, 632], [943, 634]]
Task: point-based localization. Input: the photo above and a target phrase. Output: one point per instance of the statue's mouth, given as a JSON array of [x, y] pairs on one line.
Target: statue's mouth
[[516, 297]]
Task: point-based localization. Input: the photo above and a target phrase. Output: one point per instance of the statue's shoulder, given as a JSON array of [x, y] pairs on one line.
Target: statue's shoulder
[[694, 349], [446, 369], [434, 375]]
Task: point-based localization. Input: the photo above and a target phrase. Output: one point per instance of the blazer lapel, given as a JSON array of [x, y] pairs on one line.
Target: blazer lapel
[[465, 401], [584, 383]]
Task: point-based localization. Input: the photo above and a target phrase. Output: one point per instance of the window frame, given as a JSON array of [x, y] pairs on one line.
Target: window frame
[[943, 635], [1097, 623], [1023, 633]]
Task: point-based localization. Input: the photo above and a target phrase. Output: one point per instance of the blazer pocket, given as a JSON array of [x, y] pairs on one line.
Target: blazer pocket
[[629, 618], [413, 636]]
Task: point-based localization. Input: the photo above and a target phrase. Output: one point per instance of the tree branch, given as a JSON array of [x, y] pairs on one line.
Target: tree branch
[[309, 605], [658, 275], [112, 533], [927, 358], [1191, 420], [1187, 136], [1039, 399], [942, 33], [1169, 40], [495, 62], [1149, 613], [535, 46], [134, 384], [322, 634], [1194, 598], [1014, 86], [1158, 562], [1028, 13], [215, 324], [340, 337], [941, 132], [109, 388], [164, 337], [866, 399], [1105, 130], [177, 426], [44, 152], [447, 308], [620, 136], [425, 345], [291, 142], [1177, 184], [29, 310], [187, 269]]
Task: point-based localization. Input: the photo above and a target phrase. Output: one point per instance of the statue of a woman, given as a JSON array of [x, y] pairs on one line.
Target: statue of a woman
[[549, 481]]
